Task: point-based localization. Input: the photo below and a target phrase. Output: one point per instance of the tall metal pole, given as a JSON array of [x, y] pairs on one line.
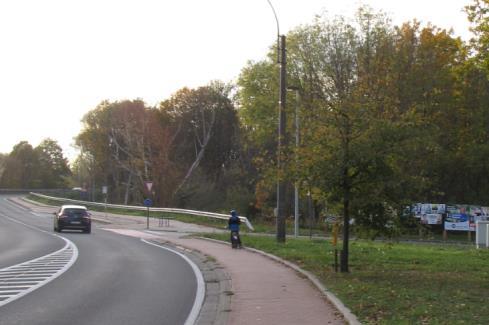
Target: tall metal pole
[[278, 30], [281, 58], [309, 203], [296, 187], [282, 143], [297, 142]]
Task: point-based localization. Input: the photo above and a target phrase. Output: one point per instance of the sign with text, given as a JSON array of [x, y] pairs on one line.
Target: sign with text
[[464, 217], [457, 222]]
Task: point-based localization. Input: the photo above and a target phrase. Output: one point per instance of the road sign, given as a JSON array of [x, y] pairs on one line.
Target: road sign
[[149, 186], [148, 202], [104, 189]]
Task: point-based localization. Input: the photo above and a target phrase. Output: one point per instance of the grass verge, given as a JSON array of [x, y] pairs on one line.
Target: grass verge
[[395, 283]]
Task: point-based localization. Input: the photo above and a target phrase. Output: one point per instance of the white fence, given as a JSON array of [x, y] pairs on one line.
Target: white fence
[[482, 234], [142, 208]]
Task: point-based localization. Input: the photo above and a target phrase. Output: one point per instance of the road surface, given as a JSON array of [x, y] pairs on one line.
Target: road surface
[[97, 278]]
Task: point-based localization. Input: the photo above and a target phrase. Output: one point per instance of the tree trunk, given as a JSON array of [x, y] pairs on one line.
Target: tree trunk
[[200, 155]]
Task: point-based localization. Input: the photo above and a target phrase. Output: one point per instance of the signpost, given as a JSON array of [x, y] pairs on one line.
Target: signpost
[[104, 192], [149, 186], [147, 204]]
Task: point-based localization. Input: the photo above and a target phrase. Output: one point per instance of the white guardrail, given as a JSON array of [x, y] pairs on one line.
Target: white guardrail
[[142, 208]]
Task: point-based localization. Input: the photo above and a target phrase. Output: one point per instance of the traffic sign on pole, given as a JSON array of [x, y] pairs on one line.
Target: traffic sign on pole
[[147, 203], [149, 186]]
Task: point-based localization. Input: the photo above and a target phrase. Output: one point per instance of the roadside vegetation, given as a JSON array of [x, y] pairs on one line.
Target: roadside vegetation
[[416, 232], [395, 283]]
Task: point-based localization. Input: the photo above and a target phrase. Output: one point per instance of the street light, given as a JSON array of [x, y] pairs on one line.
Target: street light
[[282, 60], [297, 140]]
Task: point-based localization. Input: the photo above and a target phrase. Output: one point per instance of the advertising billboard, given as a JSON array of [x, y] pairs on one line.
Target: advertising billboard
[[464, 217], [429, 213]]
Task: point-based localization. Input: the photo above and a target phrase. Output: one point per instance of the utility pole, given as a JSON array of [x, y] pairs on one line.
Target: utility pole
[[297, 143], [282, 142]]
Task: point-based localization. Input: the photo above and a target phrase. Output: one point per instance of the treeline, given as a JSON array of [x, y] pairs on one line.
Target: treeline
[[42, 167], [389, 115], [187, 147]]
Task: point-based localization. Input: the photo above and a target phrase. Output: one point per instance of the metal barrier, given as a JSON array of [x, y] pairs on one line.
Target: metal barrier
[[142, 208], [164, 221]]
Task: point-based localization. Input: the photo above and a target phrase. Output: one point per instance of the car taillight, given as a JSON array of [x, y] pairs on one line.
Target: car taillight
[[61, 216], [87, 217]]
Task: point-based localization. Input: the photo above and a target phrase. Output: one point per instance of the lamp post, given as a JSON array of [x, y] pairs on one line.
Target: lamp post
[[297, 141], [282, 141]]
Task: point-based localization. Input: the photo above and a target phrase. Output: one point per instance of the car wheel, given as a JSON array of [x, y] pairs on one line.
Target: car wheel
[[87, 231]]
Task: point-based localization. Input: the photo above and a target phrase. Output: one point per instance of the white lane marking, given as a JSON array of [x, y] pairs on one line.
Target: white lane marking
[[51, 265], [200, 295]]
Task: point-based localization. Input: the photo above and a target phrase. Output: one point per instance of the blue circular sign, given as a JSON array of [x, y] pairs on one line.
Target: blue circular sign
[[148, 202]]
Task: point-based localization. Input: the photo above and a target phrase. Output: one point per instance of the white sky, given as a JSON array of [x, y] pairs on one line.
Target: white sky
[[60, 58]]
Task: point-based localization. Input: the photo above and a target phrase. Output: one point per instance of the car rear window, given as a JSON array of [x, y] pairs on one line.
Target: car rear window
[[75, 212]]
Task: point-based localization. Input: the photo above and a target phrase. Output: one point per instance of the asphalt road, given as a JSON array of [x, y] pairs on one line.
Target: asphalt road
[[114, 280]]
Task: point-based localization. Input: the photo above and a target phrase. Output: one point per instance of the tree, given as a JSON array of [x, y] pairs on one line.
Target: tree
[[478, 15], [53, 165], [128, 143], [377, 100], [3, 159], [21, 167], [204, 124], [119, 140], [257, 102], [93, 142]]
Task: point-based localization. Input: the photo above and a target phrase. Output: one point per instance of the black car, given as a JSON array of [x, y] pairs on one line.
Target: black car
[[73, 217]]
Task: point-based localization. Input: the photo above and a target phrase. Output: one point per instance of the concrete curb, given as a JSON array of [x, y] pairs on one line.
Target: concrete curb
[[345, 311]]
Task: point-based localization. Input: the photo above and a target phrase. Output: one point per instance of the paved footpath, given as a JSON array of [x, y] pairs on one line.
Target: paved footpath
[[263, 291]]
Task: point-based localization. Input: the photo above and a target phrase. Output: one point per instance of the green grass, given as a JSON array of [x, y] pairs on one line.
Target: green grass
[[396, 283]]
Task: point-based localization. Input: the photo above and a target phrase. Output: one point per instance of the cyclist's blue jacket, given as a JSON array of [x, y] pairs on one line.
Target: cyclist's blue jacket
[[233, 223]]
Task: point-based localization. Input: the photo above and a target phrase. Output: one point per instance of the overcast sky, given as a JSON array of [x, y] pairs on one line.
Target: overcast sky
[[60, 58]]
